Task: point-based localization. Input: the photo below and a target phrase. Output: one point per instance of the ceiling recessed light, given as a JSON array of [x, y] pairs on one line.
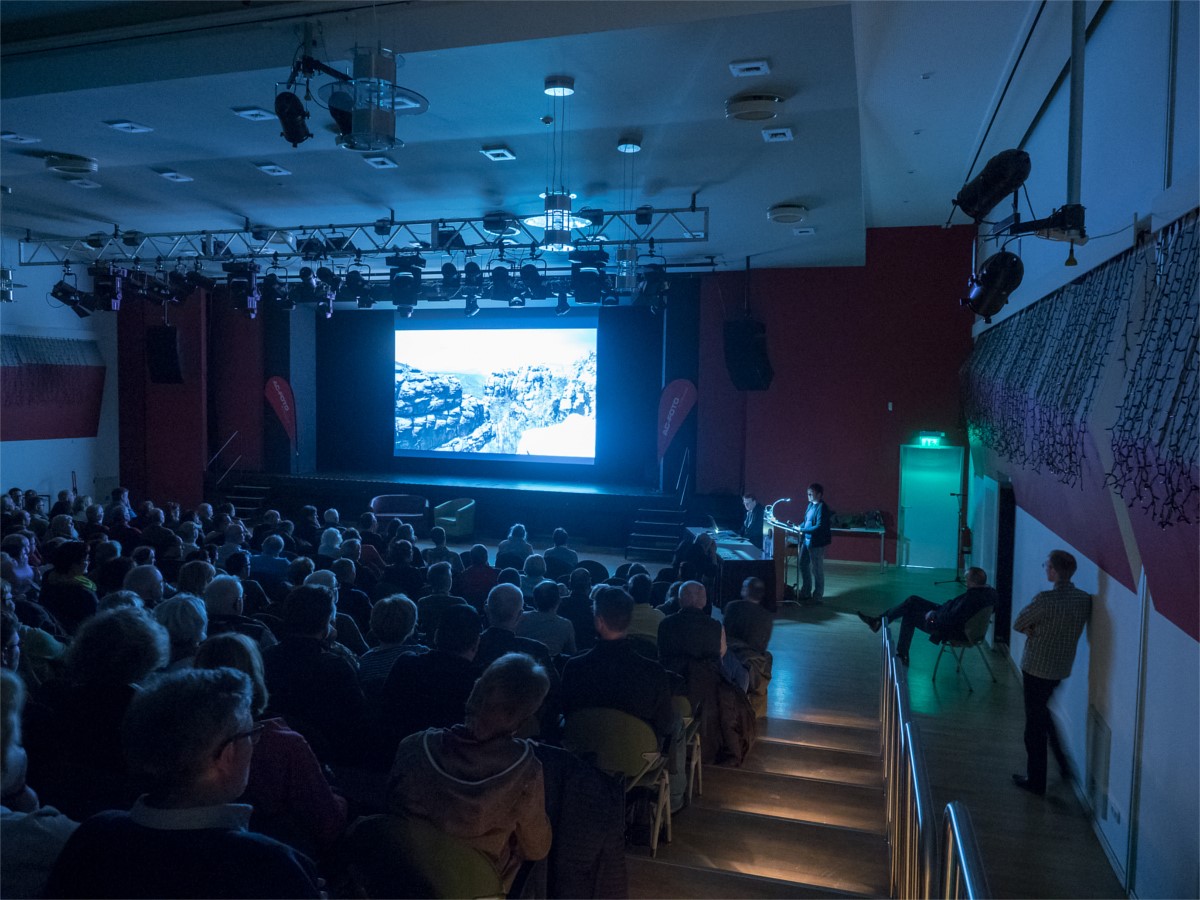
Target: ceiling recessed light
[[753, 107], [804, 231], [172, 175], [629, 145], [777, 135], [13, 138], [83, 182], [559, 85], [380, 162], [272, 169], [253, 113], [70, 164], [128, 127], [748, 68], [787, 213], [498, 153]]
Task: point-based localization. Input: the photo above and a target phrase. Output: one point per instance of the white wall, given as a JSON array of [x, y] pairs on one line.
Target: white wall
[[1131, 165], [47, 465]]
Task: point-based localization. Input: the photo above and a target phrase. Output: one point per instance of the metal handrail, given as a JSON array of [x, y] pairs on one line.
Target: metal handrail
[[911, 830], [962, 872]]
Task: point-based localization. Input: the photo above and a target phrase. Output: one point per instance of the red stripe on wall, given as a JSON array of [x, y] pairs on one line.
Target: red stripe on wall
[[50, 402]]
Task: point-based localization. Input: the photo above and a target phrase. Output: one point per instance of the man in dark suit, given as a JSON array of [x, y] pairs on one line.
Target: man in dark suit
[[752, 525], [940, 622]]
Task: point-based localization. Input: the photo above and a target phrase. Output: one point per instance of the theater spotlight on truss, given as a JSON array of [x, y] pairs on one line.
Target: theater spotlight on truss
[[405, 282], [242, 283], [1003, 175], [356, 289], [533, 280], [274, 292], [998, 277], [502, 287], [69, 295], [451, 281], [330, 279], [588, 280], [108, 287], [652, 287]]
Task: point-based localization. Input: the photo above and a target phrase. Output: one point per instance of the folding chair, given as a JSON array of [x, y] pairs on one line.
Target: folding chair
[[975, 631]]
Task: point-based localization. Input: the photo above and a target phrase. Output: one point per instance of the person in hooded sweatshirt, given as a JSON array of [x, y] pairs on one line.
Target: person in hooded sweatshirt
[[476, 781]]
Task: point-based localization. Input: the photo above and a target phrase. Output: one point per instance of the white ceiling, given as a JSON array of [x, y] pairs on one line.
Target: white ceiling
[[888, 102]]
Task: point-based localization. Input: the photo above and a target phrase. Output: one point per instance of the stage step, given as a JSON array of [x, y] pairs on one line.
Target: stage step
[[815, 763], [798, 799], [655, 532], [650, 879]]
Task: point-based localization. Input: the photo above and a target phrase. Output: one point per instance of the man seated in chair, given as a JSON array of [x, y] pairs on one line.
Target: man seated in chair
[[941, 623], [476, 781], [613, 675]]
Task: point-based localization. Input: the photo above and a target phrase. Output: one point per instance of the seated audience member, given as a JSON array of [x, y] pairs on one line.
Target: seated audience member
[[346, 637], [287, 787], [430, 690], [392, 622], [186, 621], [478, 578], [690, 636], [533, 573], [31, 835], [67, 593], [93, 528], [351, 601], [332, 519], [560, 559], [432, 605], [142, 555], [205, 517], [509, 576], [577, 608], [406, 532], [74, 741], [403, 575], [119, 528], [544, 624], [235, 540], [267, 526], [156, 534], [109, 567], [329, 549], [477, 782], [79, 507], [120, 599], [141, 519], [32, 653], [366, 575], [269, 567], [646, 618], [191, 738], [504, 607], [195, 577], [24, 578], [439, 552], [368, 532], [62, 526], [172, 515], [515, 545], [189, 533], [64, 505], [254, 598], [147, 583], [670, 604], [749, 621], [308, 529], [613, 675], [30, 613], [314, 688], [225, 602]]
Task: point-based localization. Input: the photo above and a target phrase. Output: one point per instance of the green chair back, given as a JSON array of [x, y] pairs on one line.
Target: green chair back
[[977, 626], [616, 741]]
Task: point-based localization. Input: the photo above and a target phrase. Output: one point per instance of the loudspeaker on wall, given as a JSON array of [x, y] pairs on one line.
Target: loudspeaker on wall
[[162, 354], [746, 355]]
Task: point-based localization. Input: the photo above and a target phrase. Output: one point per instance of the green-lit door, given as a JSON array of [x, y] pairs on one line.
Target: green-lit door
[[930, 481]]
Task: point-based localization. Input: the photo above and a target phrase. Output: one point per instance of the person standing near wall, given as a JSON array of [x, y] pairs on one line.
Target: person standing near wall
[[1052, 624], [816, 537]]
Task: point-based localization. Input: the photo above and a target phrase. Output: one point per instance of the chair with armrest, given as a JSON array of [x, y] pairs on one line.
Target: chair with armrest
[[400, 856], [975, 631], [596, 569], [621, 744], [409, 508], [456, 516]]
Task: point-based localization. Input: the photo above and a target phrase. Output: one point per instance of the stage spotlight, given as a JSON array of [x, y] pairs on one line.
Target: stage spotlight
[[1004, 173], [405, 285], [306, 289], [291, 113], [998, 277], [609, 297], [451, 280], [355, 289], [652, 287], [502, 287], [563, 306], [108, 286], [154, 289], [198, 280], [534, 282], [243, 287], [72, 297], [472, 307], [274, 293], [587, 282], [330, 279]]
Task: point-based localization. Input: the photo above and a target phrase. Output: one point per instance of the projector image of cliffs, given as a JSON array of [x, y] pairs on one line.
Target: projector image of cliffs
[[543, 410]]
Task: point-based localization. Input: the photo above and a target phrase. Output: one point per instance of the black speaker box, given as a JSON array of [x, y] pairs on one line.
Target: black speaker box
[[746, 355], [162, 354]]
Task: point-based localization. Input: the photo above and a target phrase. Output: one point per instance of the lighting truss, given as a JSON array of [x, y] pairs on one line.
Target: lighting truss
[[384, 237]]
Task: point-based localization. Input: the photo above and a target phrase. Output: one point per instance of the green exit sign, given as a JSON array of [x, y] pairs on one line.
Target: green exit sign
[[930, 439]]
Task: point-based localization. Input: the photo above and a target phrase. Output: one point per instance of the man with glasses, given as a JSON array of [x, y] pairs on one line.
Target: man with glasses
[[190, 737]]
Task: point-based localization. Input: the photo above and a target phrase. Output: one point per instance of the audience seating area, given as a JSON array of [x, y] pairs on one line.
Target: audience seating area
[[109, 601]]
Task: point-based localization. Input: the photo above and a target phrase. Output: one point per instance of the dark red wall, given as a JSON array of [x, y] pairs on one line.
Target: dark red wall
[[237, 384], [844, 343]]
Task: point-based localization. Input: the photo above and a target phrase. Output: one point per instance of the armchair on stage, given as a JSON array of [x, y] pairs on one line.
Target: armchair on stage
[[456, 516], [409, 508]]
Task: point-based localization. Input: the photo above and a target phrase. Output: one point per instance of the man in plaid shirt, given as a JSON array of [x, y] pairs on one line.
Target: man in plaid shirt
[[1052, 624]]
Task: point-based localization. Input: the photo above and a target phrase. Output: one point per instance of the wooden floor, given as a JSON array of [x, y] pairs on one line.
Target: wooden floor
[[805, 816]]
